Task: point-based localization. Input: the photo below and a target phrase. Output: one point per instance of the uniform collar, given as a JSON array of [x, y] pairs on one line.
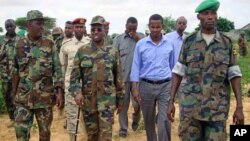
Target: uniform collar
[[217, 36]]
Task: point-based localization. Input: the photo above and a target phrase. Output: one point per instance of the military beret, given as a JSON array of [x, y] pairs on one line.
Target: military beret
[[79, 21], [35, 15], [208, 5], [97, 20], [57, 30], [107, 23]]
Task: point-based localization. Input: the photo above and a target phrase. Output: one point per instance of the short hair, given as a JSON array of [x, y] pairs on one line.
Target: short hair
[[156, 17], [68, 22], [10, 21], [132, 20]]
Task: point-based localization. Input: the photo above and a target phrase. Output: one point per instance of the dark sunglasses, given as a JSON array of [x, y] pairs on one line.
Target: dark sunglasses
[[96, 29]]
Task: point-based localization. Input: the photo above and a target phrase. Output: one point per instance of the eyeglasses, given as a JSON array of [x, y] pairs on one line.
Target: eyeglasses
[[96, 29]]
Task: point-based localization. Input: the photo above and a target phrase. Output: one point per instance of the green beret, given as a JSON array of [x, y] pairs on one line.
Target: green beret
[[208, 5]]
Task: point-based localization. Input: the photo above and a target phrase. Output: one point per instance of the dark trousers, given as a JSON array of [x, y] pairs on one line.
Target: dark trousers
[[8, 98]]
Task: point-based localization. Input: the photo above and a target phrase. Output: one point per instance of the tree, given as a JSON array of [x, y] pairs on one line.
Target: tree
[[49, 24], [169, 24], [1, 29], [224, 25]]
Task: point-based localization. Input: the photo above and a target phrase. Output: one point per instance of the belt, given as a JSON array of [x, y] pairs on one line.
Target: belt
[[156, 81]]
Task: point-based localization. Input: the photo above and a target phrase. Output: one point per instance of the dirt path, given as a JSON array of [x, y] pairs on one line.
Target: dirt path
[[59, 134]]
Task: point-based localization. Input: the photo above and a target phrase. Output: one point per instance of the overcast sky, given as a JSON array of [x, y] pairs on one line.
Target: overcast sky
[[117, 11]]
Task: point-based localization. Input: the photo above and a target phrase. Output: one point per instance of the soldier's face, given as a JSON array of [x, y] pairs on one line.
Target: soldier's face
[[36, 28], [97, 32], [10, 27], [208, 19], [79, 30], [69, 29], [155, 27]]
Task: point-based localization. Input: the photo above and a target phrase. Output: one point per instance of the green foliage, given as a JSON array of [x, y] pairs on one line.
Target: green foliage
[[49, 24], [169, 24], [247, 34], [224, 25], [244, 64], [1, 29], [21, 22]]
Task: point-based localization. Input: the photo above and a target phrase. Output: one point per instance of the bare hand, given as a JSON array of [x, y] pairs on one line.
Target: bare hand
[[171, 111], [119, 109], [238, 117], [79, 99], [136, 95], [59, 100], [134, 35]]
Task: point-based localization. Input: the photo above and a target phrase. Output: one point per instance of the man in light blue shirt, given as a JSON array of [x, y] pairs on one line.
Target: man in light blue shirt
[[152, 65], [178, 36]]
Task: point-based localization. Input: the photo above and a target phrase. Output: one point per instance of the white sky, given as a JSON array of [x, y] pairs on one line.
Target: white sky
[[117, 11]]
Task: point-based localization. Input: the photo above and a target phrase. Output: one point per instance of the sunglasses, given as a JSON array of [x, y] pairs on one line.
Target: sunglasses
[[96, 29]]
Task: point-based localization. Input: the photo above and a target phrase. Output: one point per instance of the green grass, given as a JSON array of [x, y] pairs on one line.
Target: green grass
[[244, 63]]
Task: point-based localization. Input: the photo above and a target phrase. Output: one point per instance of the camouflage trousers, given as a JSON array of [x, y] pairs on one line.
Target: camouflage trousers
[[24, 121], [6, 90], [72, 113], [195, 130], [98, 122]]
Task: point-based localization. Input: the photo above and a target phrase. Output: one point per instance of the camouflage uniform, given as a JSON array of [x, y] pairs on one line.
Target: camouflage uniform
[[59, 42], [38, 67], [99, 70], [206, 95], [109, 40], [67, 54], [7, 51], [242, 45]]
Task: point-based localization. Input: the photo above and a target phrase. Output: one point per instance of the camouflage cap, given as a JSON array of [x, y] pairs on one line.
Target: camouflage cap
[[57, 30], [35, 15], [97, 20]]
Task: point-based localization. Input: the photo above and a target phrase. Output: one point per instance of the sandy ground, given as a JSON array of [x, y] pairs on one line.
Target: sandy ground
[[59, 133]]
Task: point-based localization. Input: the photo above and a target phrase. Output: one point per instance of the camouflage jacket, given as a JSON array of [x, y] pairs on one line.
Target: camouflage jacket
[[7, 51], [38, 66], [206, 95], [99, 70], [58, 43]]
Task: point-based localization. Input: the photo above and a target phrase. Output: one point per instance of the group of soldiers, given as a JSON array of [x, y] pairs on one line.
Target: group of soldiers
[[96, 76]]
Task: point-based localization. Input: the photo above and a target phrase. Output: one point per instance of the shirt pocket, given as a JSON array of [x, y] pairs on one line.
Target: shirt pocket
[[194, 66], [86, 70], [123, 52], [221, 65]]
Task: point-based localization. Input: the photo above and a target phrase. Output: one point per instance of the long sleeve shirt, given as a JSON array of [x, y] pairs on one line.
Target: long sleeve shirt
[[152, 61]]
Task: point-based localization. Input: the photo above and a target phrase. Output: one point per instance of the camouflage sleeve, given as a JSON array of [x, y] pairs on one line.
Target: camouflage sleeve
[[234, 69], [180, 67], [75, 76], [57, 70], [117, 70], [15, 67]]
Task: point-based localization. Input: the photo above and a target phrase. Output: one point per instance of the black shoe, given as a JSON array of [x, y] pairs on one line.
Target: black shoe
[[123, 133], [65, 125], [135, 126]]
